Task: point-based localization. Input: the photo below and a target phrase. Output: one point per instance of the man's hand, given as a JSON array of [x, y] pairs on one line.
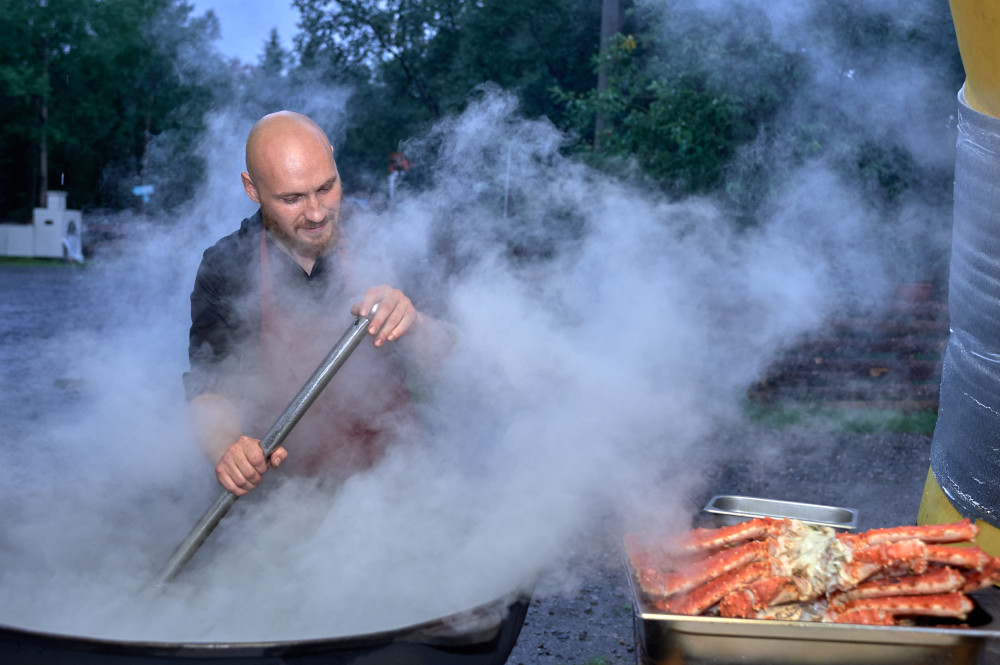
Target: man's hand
[[394, 316], [242, 466]]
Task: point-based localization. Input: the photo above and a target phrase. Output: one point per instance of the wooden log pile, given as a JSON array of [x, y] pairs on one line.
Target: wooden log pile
[[889, 359]]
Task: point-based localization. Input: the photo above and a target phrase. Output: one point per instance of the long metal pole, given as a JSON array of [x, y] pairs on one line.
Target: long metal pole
[[279, 430]]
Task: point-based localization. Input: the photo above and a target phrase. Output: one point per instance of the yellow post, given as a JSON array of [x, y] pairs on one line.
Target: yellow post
[[936, 509], [977, 27]]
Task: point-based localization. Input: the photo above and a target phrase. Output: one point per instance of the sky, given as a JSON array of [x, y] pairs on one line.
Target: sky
[[246, 25]]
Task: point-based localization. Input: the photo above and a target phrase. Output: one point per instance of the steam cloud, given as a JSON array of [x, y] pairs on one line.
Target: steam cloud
[[605, 333]]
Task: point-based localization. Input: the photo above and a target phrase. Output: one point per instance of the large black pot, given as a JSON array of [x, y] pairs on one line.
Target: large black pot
[[483, 635]]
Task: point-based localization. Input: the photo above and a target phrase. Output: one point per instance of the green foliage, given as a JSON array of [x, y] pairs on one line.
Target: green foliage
[[713, 102], [826, 419], [529, 46], [113, 93], [887, 171], [393, 39], [86, 85], [679, 133], [410, 63], [667, 114]]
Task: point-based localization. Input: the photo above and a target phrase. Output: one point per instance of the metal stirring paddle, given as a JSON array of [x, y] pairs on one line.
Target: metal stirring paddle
[[279, 430]]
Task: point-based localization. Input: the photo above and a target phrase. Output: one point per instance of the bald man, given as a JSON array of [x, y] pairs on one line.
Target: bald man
[[269, 302]]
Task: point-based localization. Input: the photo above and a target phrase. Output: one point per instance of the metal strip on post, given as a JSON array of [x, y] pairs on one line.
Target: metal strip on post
[[279, 430]]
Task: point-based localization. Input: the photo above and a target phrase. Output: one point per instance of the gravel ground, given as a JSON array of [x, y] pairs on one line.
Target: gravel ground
[[880, 475]]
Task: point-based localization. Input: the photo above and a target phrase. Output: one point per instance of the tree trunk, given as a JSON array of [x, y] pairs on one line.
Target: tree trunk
[[43, 144], [611, 21]]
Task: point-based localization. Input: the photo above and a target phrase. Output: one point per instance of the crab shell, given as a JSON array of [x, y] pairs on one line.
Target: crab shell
[[783, 568]]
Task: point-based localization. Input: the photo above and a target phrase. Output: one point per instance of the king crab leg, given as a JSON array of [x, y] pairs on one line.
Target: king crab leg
[[870, 617], [698, 573], [782, 568], [764, 593], [661, 581], [955, 605], [701, 540], [707, 595], [938, 580], [887, 558], [956, 532], [971, 558]]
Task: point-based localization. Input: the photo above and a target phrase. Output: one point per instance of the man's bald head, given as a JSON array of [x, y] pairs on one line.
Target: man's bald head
[[283, 128], [291, 173]]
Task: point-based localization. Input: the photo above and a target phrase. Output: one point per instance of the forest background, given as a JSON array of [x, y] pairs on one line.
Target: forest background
[[99, 97]]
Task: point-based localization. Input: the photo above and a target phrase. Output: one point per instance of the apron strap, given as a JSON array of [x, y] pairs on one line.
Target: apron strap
[[266, 287]]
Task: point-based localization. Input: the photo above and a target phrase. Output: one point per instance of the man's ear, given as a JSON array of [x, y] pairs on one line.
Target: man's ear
[[249, 187]]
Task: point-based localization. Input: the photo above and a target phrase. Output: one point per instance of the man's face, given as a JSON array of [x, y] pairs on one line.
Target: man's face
[[299, 191]]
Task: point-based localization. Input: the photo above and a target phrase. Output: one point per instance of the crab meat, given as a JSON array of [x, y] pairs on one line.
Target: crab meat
[[782, 568]]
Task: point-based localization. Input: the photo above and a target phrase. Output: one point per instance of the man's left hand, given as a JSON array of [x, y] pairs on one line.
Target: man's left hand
[[394, 316]]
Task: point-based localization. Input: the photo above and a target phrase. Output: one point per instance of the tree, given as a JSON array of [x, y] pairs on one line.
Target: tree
[[530, 46], [672, 125], [714, 102], [410, 62], [391, 37], [38, 40], [84, 88], [275, 59]]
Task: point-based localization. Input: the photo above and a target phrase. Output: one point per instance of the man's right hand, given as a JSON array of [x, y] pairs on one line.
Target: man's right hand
[[242, 466]]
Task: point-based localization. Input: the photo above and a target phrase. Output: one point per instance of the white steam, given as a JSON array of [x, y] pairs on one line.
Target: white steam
[[604, 334]]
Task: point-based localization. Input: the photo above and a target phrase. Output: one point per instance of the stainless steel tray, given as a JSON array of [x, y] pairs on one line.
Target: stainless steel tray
[[727, 509], [673, 639]]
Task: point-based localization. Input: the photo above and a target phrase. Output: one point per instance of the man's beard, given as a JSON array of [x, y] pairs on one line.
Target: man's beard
[[304, 248]]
